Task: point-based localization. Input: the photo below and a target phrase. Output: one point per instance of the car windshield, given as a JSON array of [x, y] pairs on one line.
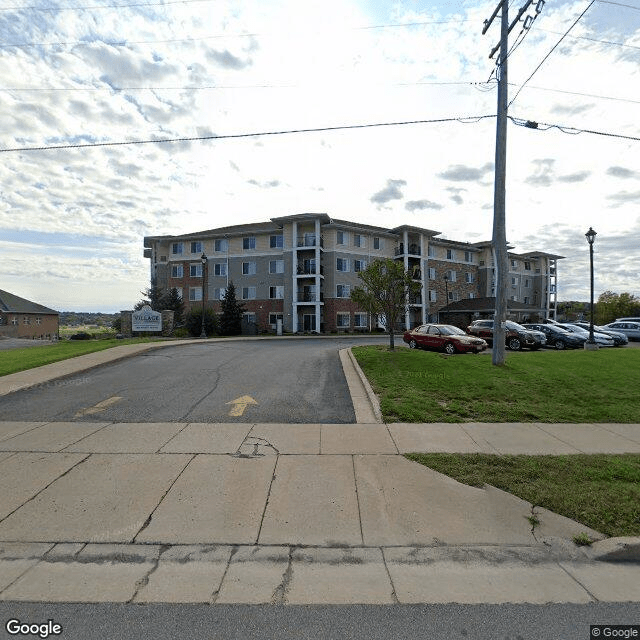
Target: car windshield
[[510, 324], [450, 330]]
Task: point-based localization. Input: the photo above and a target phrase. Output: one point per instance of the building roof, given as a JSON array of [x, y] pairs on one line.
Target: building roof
[[10, 303]]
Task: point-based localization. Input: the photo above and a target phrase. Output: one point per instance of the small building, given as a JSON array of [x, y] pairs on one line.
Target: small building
[[20, 318]]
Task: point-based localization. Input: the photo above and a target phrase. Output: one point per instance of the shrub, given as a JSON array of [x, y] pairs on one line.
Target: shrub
[[193, 322]]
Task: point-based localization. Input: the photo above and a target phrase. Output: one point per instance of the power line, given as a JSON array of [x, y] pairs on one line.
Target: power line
[[586, 95], [618, 44], [544, 126], [620, 4], [462, 119], [105, 6], [552, 50]]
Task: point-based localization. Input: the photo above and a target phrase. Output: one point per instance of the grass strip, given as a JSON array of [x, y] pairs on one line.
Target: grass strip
[[601, 491], [544, 386], [14, 360]]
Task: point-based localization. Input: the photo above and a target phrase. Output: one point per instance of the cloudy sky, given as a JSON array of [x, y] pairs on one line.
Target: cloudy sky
[[86, 72]]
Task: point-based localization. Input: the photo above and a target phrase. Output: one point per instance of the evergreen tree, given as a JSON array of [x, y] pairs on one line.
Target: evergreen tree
[[232, 310], [153, 297], [172, 300]]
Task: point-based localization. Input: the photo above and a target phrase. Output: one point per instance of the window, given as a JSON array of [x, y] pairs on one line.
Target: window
[[176, 248], [472, 296], [220, 269], [431, 252], [432, 295], [195, 270], [359, 265], [177, 271], [359, 319], [377, 243], [179, 292], [274, 317], [248, 268], [432, 273], [468, 256], [343, 320], [276, 266], [276, 242], [450, 254], [38, 320], [342, 264], [221, 245], [249, 242], [248, 293], [277, 292], [526, 282], [514, 282], [527, 266], [359, 240], [27, 320], [196, 247], [468, 277], [342, 291], [526, 299], [249, 316], [195, 294], [218, 293], [341, 237], [451, 275], [514, 264], [15, 321]]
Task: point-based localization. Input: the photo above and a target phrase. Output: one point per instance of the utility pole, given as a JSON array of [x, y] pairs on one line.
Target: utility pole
[[499, 240]]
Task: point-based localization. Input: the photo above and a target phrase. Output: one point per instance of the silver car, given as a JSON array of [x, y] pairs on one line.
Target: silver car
[[631, 329], [601, 339], [619, 339]]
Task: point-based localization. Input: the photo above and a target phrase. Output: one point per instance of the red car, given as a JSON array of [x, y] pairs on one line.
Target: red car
[[443, 337]]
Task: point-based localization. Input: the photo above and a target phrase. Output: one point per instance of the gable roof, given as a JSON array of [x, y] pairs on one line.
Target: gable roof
[[10, 303]]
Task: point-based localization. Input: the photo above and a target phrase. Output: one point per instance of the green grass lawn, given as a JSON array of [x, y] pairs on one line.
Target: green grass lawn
[[14, 360], [544, 386], [600, 491]]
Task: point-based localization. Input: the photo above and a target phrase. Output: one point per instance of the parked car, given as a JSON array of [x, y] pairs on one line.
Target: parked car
[[630, 329], [601, 339], [557, 337], [444, 337], [516, 336], [627, 320], [619, 338]]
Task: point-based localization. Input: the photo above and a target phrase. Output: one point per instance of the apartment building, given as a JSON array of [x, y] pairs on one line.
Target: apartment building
[[302, 268]]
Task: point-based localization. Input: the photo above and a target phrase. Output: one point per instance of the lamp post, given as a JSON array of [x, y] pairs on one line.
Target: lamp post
[[446, 290], [591, 236], [203, 259]]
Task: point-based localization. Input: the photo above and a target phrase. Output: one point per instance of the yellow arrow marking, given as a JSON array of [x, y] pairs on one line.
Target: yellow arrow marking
[[101, 406], [240, 404]]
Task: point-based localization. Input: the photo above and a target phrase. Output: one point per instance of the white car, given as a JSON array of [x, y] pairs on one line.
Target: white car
[[601, 339], [631, 329]]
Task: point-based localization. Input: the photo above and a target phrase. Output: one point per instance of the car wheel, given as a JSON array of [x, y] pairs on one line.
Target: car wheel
[[514, 344], [559, 345], [413, 344], [450, 348]]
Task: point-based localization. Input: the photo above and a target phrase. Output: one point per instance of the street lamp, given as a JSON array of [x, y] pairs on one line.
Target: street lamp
[[591, 236], [203, 259], [446, 291]]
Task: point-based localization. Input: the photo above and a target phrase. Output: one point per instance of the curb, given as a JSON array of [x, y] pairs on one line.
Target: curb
[[373, 399], [623, 549]]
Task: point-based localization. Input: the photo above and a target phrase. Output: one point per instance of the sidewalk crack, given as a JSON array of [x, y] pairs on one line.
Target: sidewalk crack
[[279, 595]]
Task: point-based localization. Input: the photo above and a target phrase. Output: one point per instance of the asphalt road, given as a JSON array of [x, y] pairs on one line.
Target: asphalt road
[[292, 381], [354, 622]]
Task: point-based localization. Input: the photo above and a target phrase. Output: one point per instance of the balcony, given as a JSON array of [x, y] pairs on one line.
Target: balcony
[[412, 250], [309, 296], [309, 270], [309, 241], [415, 299]]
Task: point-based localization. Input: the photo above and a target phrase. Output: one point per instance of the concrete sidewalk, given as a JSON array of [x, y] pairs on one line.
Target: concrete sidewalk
[[288, 514]]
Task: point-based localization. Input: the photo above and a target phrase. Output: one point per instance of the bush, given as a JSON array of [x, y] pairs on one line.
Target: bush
[[180, 332], [83, 335], [193, 322]]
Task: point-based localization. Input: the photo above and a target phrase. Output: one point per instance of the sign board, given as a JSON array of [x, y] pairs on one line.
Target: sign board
[[146, 319]]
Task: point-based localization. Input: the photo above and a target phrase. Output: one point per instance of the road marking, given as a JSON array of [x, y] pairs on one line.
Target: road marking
[[240, 404], [97, 408]]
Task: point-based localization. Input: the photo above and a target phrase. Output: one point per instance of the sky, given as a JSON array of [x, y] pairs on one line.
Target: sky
[[98, 72]]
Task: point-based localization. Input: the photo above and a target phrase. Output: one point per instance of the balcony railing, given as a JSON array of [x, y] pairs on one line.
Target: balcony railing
[[310, 270], [415, 299], [412, 249], [309, 241], [309, 296]]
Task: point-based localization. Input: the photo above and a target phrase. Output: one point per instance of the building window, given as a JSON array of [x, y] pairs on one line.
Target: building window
[[249, 242], [277, 292], [38, 320], [359, 240], [221, 245], [195, 270], [249, 316], [177, 271], [248, 268], [195, 294], [432, 295], [472, 296], [432, 273], [468, 256], [514, 282], [450, 254], [15, 321], [179, 292], [343, 320], [514, 264], [342, 291], [274, 317], [451, 275], [276, 242], [431, 252], [526, 299], [341, 237], [359, 265], [176, 248], [527, 266], [218, 293], [196, 247], [342, 264], [360, 319], [220, 269], [248, 293], [526, 282], [27, 320], [276, 266], [468, 277], [377, 243]]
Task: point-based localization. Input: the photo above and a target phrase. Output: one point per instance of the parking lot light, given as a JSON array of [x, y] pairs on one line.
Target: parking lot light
[[203, 259], [591, 236]]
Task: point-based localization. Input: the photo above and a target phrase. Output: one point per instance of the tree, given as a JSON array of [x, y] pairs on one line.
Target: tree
[[153, 297], [193, 322], [612, 305], [385, 292], [232, 310], [173, 301]]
